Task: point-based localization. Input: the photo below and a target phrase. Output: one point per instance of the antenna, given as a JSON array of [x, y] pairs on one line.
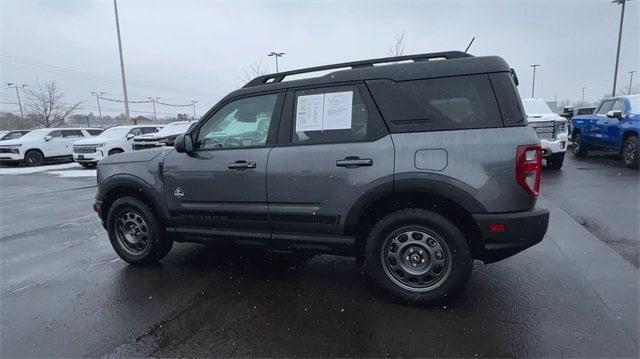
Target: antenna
[[470, 42]]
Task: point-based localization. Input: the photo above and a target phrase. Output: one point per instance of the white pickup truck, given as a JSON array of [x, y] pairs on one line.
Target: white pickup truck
[[551, 128], [43, 144]]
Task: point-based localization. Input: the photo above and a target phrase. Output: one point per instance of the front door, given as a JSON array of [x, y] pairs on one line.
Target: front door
[[333, 148], [599, 120], [612, 134], [221, 184]]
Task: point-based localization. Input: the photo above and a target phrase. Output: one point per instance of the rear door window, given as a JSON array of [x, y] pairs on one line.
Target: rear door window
[[447, 103], [72, 133]]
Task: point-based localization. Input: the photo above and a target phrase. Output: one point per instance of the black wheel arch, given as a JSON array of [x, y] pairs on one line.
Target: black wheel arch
[[129, 185]]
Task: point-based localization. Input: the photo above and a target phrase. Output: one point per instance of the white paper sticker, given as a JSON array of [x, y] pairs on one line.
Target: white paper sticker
[[337, 110], [331, 111], [309, 113]]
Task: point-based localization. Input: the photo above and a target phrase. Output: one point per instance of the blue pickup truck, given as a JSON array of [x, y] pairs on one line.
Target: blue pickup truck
[[614, 125]]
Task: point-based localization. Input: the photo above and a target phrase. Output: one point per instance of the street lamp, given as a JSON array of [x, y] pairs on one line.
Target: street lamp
[[276, 54], [631, 80], [153, 101], [124, 80], [615, 73], [17, 87], [533, 85]]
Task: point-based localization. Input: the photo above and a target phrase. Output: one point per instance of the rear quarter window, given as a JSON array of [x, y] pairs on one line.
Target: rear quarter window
[[446, 103]]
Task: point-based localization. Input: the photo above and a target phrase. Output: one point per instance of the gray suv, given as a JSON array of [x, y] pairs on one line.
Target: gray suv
[[416, 168]]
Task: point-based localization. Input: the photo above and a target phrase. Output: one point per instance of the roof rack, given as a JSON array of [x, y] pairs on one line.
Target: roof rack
[[279, 77]]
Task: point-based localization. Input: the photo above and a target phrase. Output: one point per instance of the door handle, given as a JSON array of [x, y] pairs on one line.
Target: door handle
[[241, 165], [354, 161]]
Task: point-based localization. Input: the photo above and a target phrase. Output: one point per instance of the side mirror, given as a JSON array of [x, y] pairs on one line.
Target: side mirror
[[183, 143], [48, 137], [130, 136], [615, 114]]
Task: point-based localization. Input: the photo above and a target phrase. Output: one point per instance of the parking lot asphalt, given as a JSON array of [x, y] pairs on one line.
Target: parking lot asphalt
[[64, 292]]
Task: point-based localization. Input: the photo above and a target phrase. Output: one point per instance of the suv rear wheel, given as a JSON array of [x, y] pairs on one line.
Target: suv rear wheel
[[630, 152], [579, 149], [418, 256], [134, 232]]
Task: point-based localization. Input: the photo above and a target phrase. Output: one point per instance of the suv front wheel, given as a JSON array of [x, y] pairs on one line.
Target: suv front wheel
[[134, 232], [418, 256]]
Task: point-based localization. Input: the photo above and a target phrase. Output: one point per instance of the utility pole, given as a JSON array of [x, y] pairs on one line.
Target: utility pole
[[277, 54], [533, 84], [97, 94], [153, 101], [18, 87], [615, 73], [631, 80], [193, 103], [582, 100], [124, 80]]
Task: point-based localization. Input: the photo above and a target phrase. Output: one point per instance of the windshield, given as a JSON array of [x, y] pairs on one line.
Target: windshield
[[12, 135], [635, 103], [37, 133], [115, 132], [174, 128], [533, 106]]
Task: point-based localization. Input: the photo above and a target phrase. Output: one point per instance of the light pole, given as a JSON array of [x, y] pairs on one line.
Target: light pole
[[277, 54], [124, 80], [193, 103], [153, 101], [97, 95], [533, 84], [631, 80], [582, 100], [18, 87], [615, 73]]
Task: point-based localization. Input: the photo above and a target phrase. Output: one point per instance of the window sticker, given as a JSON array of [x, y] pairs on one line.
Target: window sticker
[[331, 111]]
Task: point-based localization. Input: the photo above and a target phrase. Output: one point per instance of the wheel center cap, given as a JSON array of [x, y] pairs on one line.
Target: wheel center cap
[[415, 258]]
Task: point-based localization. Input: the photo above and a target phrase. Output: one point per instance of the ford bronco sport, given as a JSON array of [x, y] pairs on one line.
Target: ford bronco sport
[[416, 167]]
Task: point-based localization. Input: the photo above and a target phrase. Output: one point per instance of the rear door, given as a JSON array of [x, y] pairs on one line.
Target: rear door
[[221, 185], [68, 138], [332, 148]]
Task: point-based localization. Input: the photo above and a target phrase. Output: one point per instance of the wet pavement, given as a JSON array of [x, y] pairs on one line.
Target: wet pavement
[[64, 292]]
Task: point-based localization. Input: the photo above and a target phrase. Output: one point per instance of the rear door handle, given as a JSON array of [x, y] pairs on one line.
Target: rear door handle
[[241, 165], [354, 161]]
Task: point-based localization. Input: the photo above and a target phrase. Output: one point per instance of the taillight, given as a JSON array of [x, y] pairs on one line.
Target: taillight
[[529, 168]]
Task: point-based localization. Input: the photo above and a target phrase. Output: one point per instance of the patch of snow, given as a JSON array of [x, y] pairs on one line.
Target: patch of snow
[[28, 170], [74, 173]]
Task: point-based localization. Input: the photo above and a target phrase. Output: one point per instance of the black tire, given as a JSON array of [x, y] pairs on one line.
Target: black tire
[[631, 152], [115, 151], [455, 259], [88, 164], [33, 158], [579, 148], [555, 161], [128, 215]]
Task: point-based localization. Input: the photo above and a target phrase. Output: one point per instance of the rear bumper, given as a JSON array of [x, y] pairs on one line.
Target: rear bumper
[[520, 231]]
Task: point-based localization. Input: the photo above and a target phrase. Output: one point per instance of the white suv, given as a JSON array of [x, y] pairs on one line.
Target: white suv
[[114, 140], [43, 144], [551, 128]]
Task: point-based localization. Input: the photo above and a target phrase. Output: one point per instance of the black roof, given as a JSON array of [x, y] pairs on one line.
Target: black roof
[[421, 66]]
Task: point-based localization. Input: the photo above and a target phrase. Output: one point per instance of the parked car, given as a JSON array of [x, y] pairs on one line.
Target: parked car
[[42, 144], [614, 126], [415, 168], [12, 135], [114, 140], [162, 138], [551, 128]]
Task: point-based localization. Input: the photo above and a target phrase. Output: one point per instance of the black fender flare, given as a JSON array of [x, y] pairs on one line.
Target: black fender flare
[[124, 180], [421, 182]]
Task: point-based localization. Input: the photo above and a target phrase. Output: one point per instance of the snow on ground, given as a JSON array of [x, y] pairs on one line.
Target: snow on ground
[[74, 173], [28, 170]]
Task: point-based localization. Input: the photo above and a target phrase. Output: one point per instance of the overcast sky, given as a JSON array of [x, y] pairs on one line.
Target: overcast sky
[[197, 50]]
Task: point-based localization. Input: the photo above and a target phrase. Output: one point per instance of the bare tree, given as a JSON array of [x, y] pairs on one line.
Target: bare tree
[[254, 70], [46, 107], [397, 49]]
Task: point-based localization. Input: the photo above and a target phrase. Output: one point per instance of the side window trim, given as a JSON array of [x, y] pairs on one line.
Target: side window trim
[[273, 126], [285, 130]]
